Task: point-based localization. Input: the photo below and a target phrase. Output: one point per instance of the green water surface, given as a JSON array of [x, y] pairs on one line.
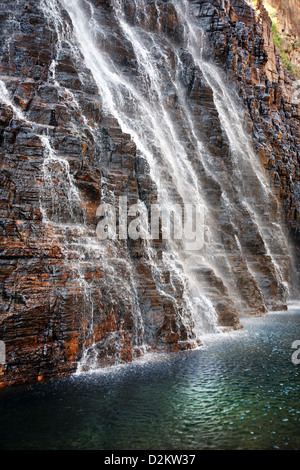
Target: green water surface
[[239, 391]]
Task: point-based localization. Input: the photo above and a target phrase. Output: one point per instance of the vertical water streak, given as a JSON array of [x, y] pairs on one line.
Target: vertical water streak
[[150, 104], [61, 205], [140, 108], [249, 177]]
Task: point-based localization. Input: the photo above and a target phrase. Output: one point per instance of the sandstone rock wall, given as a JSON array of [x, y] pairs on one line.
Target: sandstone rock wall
[[62, 155], [288, 24], [54, 301], [242, 42]]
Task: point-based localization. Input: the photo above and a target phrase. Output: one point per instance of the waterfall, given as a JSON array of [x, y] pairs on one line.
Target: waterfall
[[140, 109], [150, 103], [247, 170]]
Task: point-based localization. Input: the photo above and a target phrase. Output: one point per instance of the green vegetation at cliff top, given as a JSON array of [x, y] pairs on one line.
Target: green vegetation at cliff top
[[280, 40]]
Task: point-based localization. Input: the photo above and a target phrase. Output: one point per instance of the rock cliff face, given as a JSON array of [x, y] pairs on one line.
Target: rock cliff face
[[69, 300], [287, 19], [243, 41]]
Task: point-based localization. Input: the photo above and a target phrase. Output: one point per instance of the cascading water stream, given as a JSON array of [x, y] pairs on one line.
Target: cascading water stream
[[140, 111], [149, 102], [141, 105], [60, 201], [248, 172]]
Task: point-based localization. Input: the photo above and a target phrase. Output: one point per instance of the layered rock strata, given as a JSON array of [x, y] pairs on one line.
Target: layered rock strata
[[67, 298]]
